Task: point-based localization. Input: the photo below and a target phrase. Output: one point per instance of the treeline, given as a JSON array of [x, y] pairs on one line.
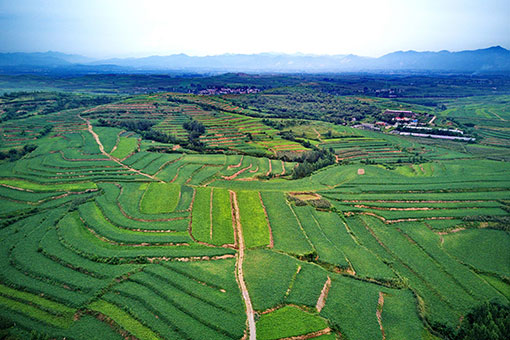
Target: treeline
[[20, 104], [16, 153], [311, 161], [195, 129], [144, 129], [308, 102], [493, 222], [490, 321]]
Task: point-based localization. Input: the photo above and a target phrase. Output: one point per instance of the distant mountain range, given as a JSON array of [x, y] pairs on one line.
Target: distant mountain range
[[493, 59]]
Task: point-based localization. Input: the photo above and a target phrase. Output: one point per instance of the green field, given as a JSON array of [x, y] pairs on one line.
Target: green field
[[337, 232], [160, 198]]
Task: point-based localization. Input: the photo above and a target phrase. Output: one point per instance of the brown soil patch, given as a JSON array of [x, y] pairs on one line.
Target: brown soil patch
[[309, 335], [238, 165], [324, 294], [361, 171], [305, 195], [176, 174], [393, 209], [191, 259], [15, 188], [378, 313], [270, 168], [452, 231], [231, 177], [283, 167]]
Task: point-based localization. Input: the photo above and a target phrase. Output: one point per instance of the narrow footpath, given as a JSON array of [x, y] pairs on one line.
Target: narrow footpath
[[101, 148], [250, 314]]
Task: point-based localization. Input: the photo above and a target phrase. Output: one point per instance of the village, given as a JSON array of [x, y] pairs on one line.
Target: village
[[409, 123]]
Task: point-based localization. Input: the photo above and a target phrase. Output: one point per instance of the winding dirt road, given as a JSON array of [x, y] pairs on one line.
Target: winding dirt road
[[101, 148], [250, 314]]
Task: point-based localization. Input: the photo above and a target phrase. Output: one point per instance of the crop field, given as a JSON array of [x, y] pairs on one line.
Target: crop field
[[185, 216]]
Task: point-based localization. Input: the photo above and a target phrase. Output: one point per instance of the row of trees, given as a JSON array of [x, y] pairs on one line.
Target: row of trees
[[20, 104], [16, 153], [144, 129], [313, 160]]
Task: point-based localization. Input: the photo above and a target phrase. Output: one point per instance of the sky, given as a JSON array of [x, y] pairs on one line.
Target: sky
[[136, 28]]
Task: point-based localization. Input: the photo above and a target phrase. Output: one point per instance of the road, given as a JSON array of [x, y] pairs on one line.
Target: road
[[250, 314]]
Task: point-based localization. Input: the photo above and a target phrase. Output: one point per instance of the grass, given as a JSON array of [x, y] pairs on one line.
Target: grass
[[287, 233], [223, 231], [307, 285], [500, 285], [268, 287], [400, 317], [322, 237], [35, 299], [124, 320], [125, 147], [486, 250], [353, 299], [286, 322], [253, 219], [201, 215], [160, 198], [38, 187], [35, 313], [125, 250]]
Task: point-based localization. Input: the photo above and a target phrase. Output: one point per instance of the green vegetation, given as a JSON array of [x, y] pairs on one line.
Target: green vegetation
[[253, 219], [160, 198], [123, 319], [125, 147], [350, 230], [488, 321], [286, 322]]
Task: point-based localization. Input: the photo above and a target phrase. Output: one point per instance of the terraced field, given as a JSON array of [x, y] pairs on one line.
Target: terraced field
[[104, 237]]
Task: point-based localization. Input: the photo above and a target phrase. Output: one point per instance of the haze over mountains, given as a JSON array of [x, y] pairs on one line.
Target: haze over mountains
[[493, 59]]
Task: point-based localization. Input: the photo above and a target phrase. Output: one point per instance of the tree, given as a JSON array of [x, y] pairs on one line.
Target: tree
[[490, 321]]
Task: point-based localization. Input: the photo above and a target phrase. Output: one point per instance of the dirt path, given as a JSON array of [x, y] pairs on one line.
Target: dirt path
[[231, 177], [309, 335], [117, 142], [101, 148], [321, 301], [378, 313], [451, 231], [270, 168], [250, 314], [283, 167], [238, 165], [318, 135], [494, 113]]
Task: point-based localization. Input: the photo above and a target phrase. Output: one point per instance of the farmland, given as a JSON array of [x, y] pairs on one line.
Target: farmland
[[270, 215]]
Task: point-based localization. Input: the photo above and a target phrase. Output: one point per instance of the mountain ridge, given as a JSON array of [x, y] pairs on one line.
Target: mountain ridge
[[491, 59]]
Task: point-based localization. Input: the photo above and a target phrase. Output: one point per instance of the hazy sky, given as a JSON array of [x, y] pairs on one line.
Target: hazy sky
[[107, 28]]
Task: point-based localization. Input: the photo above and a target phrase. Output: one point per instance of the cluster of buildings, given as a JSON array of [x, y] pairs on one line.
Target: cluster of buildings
[[227, 90], [409, 123]]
